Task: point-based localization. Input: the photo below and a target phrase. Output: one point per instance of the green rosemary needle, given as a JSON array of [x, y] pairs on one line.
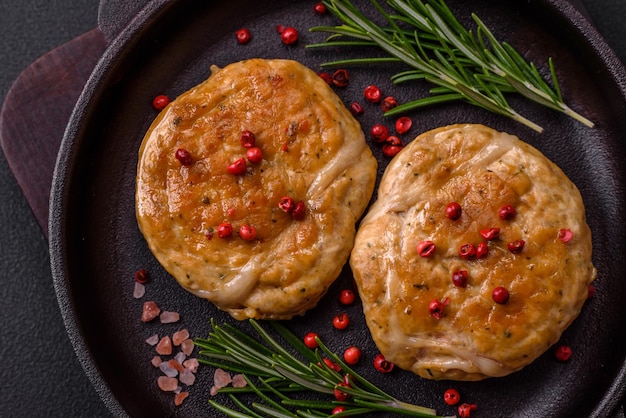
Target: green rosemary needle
[[428, 37], [279, 372]]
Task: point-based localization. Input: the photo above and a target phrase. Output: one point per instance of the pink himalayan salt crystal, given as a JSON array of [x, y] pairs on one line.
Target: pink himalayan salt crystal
[[187, 346], [191, 364], [187, 377], [156, 361], [180, 397], [152, 340], [175, 364], [164, 347], [167, 384], [168, 370], [239, 381], [169, 317], [214, 390], [139, 290], [150, 311], [180, 336], [221, 378], [180, 357]]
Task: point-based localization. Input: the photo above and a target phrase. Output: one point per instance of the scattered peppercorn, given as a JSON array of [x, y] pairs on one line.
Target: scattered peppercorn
[[500, 295], [459, 278], [289, 35], [247, 232], [254, 155], [382, 365], [506, 212], [326, 77], [563, 353], [436, 307], [332, 365], [352, 355], [248, 139], [516, 246], [391, 150], [310, 340], [403, 124], [141, 276], [394, 140], [467, 251], [341, 321], [388, 104], [490, 233], [237, 167], [451, 396], [356, 109], [160, 101], [372, 94], [426, 248], [224, 230], [299, 211], [591, 291], [453, 211], [319, 8], [347, 297], [380, 132], [565, 235], [183, 156], [338, 410], [466, 409], [341, 78], [339, 395], [243, 36], [286, 204], [482, 250]]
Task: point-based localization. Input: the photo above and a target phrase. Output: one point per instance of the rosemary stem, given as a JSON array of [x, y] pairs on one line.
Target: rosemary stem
[[475, 66], [288, 374]]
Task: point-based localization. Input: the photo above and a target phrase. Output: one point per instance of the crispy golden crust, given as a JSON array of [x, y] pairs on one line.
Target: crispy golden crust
[[313, 151], [482, 170]]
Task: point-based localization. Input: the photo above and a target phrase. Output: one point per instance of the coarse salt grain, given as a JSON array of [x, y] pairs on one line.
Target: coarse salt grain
[[150, 311], [180, 336], [178, 367], [153, 339], [168, 317], [187, 377], [175, 364], [214, 390], [180, 357], [180, 397], [187, 346], [139, 291], [164, 347], [239, 381], [221, 378], [167, 384], [168, 370], [191, 364]]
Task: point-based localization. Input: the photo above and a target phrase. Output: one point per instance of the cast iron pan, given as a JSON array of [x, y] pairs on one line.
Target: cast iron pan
[[96, 246]]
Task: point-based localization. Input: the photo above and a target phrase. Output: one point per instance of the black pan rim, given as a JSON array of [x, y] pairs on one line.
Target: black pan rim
[[72, 140]]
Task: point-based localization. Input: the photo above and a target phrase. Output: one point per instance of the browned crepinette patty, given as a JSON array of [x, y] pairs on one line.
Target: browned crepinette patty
[[313, 151], [468, 336]]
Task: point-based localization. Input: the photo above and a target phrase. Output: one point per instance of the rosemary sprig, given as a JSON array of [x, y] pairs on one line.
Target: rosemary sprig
[[279, 371], [428, 37]]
